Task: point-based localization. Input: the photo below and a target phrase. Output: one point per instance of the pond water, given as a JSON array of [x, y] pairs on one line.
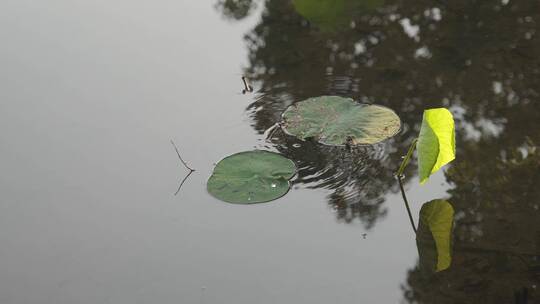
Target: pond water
[[92, 92]]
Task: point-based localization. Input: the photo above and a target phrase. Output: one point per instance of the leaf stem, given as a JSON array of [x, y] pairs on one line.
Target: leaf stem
[[399, 175], [406, 203], [407, 158]]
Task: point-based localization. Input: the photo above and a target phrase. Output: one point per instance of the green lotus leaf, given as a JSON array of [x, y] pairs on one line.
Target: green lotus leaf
[[327, 14], [434, 235], [436, 142], [331, 15], [251, 177], [334, 120]]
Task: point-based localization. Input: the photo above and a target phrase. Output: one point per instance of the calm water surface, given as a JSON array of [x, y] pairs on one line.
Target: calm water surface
[[91, 93]]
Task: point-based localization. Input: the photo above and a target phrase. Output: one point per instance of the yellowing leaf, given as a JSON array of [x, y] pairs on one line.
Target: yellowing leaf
[[334, 120], [436, 142]]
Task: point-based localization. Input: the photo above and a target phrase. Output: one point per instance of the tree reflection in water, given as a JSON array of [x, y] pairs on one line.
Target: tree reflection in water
[[235, 9], [478, 58]]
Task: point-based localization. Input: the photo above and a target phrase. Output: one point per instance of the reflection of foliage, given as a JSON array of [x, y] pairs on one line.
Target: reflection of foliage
[[499, 191], [477, 58], [434, 236], [332, 14], [235, 9], [327, 14], [482, 276], [344, 172], [497, 229]]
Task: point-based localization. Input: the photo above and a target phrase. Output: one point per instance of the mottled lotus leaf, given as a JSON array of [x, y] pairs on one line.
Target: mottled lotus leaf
[[434, 235], [335, 120], [251, 177], [436, 142]]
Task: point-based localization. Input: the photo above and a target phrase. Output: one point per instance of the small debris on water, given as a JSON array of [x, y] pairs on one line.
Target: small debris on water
[[247, 86]]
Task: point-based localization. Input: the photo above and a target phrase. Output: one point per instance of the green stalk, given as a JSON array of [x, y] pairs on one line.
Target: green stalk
[[407, 158], [406, 203], [399, 175]]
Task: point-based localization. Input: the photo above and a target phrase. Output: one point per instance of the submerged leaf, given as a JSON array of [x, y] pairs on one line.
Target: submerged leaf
[[326, 14], [436, 142], [434, 235], [251, 177], [334, 120], [330, 15]]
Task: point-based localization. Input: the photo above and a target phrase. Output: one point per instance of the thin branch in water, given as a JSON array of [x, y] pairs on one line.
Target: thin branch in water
[[180, 157], [183, 181], [406, 202], [247, 86], [185, 165]]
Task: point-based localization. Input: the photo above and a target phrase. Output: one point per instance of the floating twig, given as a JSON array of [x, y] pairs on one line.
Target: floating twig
[[180, 157], [183, 181], [247, 86], [185, 165]]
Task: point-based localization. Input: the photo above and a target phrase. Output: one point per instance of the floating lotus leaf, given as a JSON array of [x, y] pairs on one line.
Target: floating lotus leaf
[[251, 177], [436, 142], [434, 235], [334, 120]]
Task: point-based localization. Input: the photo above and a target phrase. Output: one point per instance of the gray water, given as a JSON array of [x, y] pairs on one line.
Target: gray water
[[92, 92]]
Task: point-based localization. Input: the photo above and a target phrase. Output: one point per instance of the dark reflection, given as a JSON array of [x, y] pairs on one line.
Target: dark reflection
[[235, 9], [331, 15], [434, 236], [478, 58], [357, 176], [497, 234]]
